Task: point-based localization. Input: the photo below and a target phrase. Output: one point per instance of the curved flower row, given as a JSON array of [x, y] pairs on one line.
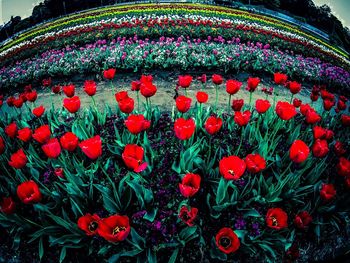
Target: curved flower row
[[184, 53], [237, 17]]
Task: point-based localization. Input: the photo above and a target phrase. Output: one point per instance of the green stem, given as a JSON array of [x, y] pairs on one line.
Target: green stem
[[138, 101], [229, 104], [216, 97]]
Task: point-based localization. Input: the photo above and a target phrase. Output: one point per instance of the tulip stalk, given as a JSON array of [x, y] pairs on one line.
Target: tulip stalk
[[229, 103], [138, 101], [216, 97]]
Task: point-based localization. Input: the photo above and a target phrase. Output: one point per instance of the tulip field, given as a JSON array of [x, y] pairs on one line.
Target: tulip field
[[259, 178]]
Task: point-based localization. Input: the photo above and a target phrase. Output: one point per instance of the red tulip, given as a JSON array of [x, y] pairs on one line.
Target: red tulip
[[69, 141], [304, 108], [72, 104], [227, 241], [184, 129], [7, 205], [279, 78], [341, 105], [148, 89], [237, 104], [90, 87], [314, 97], [319, 132], [115, 228], [29, 193], [242, 119], [343, 167], [185, 81], [252, 84], [92, 147], [109, 73], [232, 167], [338, 148], [202, 97], [121, 95], [146, 79], [312, 117], [327, 192], [345, 120], [137, 123], [299, 151], [59, 172], [294, 87], [135, 85], [42, 134], [213, 125], [126, 105], [10, 101], [302, 220], [255, 163], [18, 160], [56, 89], [47, 82], [11, 130], [133, 157], [38, 111], [52, 148], [89, 224], [320, 148], [328, 104], [276, 218], [296, 103], [233, 86], [24, 134], [2, 145], [183, 103], [190, 185], [347, 182], [217, 79], [188, 216], [69, 90], [262, 105], [31, 96], [202, 78], [18, 103], [285, 110]]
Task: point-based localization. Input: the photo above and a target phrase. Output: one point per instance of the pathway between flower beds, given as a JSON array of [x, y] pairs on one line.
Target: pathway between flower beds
[[166, 85]]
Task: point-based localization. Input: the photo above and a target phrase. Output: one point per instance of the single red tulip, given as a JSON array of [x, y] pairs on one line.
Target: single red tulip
[[213, 125], [7, 205], [31, 96], [252, 84], [90, 87], [339, 148], [183, 103], [148, 89], [89, 224], [190, 185], [327, 192], [202, 97], [280, 78], [137, 123], [72, 104], [343, 167], [92, 147], [52, 148], [262, 106], [121, 95], [345, 120], [133, 158], [18, 160], [237, 104], [227, 241], [38, 111], [188, 216], [232, 167], [115, 228], [255, 163], [69, 90], [299, 151], [69, 141], [185, 81], [276, 218], [294, 87], [29, 193], [24, 134], [217, 79], [320, 148], [302, 220], [126, 105], [242, 119], [184, 129], [233, 86], [135, 85], [42, 134], [285, 110], [109, 73], [297, 103], [11, 130]]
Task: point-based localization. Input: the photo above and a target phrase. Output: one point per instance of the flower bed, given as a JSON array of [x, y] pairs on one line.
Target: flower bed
[[183, 53], [200, 183], [169, 20]]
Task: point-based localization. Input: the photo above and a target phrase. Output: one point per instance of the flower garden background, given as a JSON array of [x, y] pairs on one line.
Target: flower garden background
[[173, 133]]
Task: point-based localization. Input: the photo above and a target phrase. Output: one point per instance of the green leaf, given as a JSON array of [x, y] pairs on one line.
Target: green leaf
[[41, 248], [150, 215], [188, 233], [173, 257], [63, 254]]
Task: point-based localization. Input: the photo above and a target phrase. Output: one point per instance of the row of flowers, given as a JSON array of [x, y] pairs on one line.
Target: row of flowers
[[183, 53], [171, 24]]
